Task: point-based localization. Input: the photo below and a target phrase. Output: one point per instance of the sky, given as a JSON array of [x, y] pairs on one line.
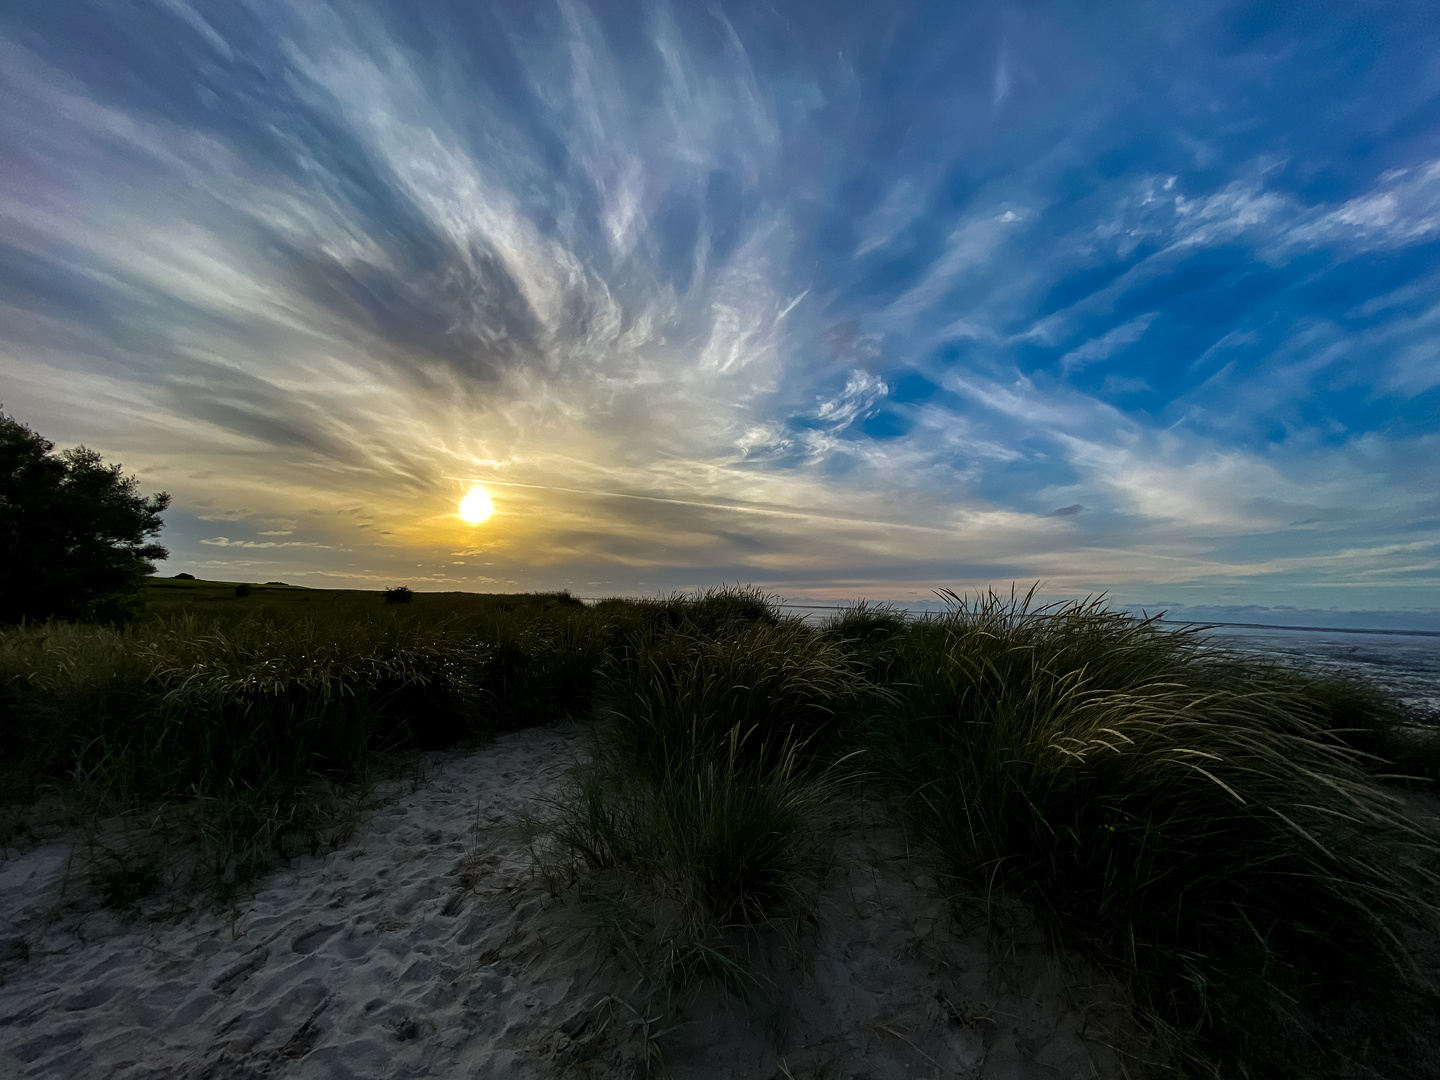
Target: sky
[[840, 300]]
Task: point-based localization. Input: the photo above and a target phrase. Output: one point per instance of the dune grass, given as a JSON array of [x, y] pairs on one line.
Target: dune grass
[[701, 814], [1192, 814], [1396, 745], [1233, 835], [248, 715], [718, 745]]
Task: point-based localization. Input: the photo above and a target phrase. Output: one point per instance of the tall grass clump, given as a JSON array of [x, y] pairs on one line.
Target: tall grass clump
[[760, 692], [544, 654], [1186, 811], [702, 816], [709, 842], [712, 613], [1399, 745], [719, 735], [874, 633]]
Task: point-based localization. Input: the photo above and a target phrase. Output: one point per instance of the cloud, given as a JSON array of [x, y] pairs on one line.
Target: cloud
[[715, 297], [1107, 345], [1403, 209], [862, 391], [1001, 84], [899, 210], [226, 542]]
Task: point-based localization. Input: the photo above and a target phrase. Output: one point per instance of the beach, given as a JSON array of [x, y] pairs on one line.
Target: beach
[[428, 945]]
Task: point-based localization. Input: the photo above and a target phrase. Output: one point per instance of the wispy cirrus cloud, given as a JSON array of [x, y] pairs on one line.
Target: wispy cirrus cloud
[[832, 301], [226, 542]]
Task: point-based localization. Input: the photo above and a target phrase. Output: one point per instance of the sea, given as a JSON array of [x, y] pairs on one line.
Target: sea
[[1406, 663]]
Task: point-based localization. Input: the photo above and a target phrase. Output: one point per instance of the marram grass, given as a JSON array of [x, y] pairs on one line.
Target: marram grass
[[1188, 811], [719, 733], [1236, 836], [718, 840], [248, 716], [783, 687]]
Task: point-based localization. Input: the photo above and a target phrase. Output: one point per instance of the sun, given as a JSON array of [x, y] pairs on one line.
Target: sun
[[476, 506]]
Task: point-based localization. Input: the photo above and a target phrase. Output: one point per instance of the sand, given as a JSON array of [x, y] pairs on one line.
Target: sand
[[428, 945]]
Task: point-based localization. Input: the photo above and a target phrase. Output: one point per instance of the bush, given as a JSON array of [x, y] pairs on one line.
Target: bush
[[74, 532], [242, 591], [401, 594]]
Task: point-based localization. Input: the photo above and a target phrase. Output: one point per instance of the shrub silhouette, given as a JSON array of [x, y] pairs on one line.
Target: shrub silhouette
[[75, 533]]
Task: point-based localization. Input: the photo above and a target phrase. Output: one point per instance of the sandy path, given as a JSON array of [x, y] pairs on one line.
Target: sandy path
[[394, 956], [425, 947]]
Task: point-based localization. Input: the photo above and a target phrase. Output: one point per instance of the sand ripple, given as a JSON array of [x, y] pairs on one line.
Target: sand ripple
[[426, 947]]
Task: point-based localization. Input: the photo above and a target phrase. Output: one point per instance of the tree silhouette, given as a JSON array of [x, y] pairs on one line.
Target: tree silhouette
[[74, 532]]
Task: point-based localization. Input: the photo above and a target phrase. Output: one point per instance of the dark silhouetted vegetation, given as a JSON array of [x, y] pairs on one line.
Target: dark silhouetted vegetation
[[75, 533]]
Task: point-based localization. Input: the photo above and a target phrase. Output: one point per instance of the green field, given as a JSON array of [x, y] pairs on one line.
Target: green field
[[1239, 839]]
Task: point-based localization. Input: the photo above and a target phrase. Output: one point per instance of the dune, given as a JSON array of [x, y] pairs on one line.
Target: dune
[[427, 945]]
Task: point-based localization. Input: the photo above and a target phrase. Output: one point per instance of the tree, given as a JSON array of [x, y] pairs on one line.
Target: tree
[[74, 532]]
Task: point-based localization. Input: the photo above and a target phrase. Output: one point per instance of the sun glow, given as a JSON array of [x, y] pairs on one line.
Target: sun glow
[[476, 506]]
